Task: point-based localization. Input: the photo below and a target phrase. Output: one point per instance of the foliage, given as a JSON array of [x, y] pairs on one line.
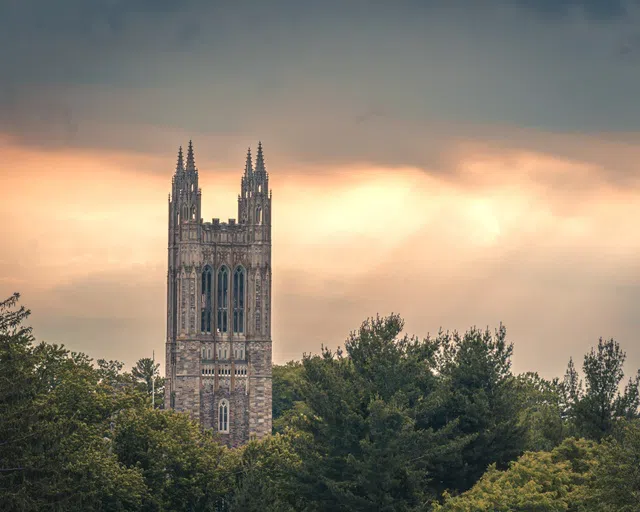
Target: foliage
[[543, 481], [541, 412], [394, 421], [147, 375], [390, 423], [55, 411], [286, 390], [594, 408], [478, 393], [616, 482], [183, 467], [266, 472]]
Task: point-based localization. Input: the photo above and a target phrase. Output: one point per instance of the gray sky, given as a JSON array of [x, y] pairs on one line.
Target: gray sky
[[458, 165]]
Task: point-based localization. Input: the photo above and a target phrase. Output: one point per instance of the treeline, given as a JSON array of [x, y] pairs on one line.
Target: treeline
[[389, 423]]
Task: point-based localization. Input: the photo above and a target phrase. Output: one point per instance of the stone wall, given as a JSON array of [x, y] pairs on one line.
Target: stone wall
[[187, 378], [238, 409], [260, 408]]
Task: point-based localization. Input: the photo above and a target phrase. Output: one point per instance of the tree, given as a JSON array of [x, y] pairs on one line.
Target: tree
[[616, 477], [183, 466], [478, 392], [286, 393], [555, 481], [364, 451], [395, 420], [594, 408], [541, 412], [265, 475], [55, 412], [147, 374]]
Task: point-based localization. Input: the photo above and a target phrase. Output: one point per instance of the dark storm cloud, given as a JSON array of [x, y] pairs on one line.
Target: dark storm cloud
[[388, 83]]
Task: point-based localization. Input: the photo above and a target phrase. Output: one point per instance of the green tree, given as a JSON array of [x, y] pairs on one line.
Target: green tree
[[286, 393], [478, 393], [184, 467], [541, 412], [555, 481], [265, 475], [594, 408], [616, 478], [364, 451], [55, 413], [146, 372], [395, 420]]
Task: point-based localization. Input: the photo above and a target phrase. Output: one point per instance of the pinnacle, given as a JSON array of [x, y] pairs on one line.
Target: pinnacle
[[260, 159], [191, 164], [248, 169], [180, 164]]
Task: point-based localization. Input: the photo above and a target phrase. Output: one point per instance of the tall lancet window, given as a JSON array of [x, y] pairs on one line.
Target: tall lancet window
[[223, 416], [258, 308], [238, 300], [223, 299], [205, 316]]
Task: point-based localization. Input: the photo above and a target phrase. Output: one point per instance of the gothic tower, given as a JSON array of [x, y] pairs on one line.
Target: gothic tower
[[218, 357]]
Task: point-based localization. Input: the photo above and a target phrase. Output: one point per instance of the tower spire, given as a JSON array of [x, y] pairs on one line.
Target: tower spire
[[191, 163], [260, 160], [248, 168], [180, 164]]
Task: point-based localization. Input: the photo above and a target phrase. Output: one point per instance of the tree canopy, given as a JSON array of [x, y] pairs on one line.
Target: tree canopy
[[390, 422]]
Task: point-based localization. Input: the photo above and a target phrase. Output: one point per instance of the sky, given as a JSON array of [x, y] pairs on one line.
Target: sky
[[459, 163]]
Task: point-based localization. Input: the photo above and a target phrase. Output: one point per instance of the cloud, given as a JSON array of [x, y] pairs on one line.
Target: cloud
[[460, 165], [328, 82]]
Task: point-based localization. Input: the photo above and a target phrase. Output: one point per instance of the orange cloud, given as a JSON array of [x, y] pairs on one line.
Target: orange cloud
[[86, 244]]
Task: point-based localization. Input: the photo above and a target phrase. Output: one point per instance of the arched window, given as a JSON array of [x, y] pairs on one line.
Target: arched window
[[258, 307], [259, 216], [193, 213], [223, 416], [238, 300], [223, 298], [205, 316], [185, 212]]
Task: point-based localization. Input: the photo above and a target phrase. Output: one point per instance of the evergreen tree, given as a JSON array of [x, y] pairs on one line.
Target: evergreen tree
[[55, 413], [147, 374], [594, 408]]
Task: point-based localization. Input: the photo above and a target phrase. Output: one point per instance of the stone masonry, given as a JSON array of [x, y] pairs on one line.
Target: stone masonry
[[218, 358]]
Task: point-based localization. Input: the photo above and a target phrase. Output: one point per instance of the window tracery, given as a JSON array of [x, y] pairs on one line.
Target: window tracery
[[205, 316], [223, 298], [223, 416], [238, 300]]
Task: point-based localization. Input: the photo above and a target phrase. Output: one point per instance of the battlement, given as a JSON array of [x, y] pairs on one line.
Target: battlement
[[216, 225], [224, 232]]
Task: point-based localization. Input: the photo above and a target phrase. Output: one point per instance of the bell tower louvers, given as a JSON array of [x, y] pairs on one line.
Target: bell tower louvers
[[218, 350]]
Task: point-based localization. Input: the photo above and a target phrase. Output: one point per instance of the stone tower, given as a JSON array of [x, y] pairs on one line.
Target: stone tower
[[218, 357]]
